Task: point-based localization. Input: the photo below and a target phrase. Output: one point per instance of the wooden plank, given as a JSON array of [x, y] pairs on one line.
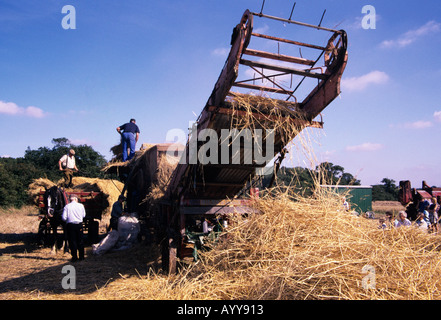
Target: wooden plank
[[325, 92], [280, 57], [283, 69], [297, 43], [260, 88]]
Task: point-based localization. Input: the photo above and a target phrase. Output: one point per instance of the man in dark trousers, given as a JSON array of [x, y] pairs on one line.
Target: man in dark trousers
[[129, 138], [73, 215], [68, 166]]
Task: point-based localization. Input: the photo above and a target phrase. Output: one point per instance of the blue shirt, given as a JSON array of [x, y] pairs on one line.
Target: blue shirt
[[130, 127], [117, 210]]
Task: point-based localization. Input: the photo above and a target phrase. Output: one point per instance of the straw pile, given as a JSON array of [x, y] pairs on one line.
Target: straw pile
[[301, 248], [298, 247], [36, 186], [117, 151], [260, 112], [283, 118], [166, 165], [110, 188], [310, 249]]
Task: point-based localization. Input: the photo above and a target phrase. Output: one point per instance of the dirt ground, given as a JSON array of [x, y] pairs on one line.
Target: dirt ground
[[30, 271], [383, 206]]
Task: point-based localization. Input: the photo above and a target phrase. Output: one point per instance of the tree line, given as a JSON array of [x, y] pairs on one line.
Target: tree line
[[303, 180], [17, 173]]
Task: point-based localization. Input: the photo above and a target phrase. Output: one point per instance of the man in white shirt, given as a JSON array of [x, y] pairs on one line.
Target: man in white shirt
[[68, 166], [73, 215]]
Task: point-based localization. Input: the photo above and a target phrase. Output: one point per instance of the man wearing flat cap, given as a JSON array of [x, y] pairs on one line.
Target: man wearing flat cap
[[68, 166], [74, 214]]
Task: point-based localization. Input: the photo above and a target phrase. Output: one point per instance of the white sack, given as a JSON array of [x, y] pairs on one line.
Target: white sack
[[128, 228], [106, 244]]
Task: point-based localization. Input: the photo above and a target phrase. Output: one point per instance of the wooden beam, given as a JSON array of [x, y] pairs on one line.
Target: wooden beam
[[260, 88], [280, 57], [302, 44], [304, 73]]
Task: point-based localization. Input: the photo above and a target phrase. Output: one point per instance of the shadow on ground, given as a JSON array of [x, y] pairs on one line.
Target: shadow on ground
[[27, 268]]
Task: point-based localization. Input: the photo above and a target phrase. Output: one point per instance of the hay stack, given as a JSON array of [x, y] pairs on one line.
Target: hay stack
[[254, 112], [117, 153], [166, 166], [36, 186], [308, 248], [302, 248], [111, 189]]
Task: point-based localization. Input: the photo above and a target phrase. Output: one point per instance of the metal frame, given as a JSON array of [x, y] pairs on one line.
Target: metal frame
[[194, 183]]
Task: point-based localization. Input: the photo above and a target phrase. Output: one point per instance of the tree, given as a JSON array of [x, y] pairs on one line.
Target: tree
[[328, 173], [388, 191], [299, 179], [60, 142], [303, 181], [15, 177], [89, 162], [17, 174]]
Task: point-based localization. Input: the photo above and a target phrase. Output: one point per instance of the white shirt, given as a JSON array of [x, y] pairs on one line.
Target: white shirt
[[74, 212], [68, 161], [398, 223], [422, 224]]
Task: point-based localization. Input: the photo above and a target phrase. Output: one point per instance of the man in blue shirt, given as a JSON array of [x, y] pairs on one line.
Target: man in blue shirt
[[129, 138], [117, 212]]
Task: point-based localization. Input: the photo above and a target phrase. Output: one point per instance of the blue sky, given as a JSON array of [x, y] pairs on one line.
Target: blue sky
[[157, 61]]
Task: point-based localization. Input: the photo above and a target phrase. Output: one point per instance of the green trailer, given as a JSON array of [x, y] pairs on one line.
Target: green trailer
[[359, 197]]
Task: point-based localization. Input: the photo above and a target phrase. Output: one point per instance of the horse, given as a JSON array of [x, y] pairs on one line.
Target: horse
[[54, 200]]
